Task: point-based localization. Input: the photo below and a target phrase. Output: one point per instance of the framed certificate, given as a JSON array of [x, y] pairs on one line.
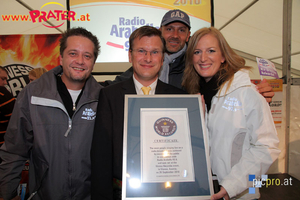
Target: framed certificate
[[165, 153]]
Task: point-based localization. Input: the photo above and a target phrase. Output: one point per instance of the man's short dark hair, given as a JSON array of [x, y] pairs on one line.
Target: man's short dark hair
[[79, 32], [148, 31]]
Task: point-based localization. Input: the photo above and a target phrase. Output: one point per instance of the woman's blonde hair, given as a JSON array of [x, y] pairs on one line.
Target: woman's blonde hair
[[228, 68], [37, 72]]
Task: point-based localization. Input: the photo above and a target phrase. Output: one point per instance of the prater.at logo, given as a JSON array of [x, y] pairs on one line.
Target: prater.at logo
[[55, 14], [165, 126], [58, 15]]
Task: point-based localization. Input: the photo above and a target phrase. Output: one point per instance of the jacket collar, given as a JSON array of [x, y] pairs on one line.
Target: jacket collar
[[128, 86], [90, 92], [240, 79]]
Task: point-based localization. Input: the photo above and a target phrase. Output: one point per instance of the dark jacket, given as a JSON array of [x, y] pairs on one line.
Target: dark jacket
[[107, 144]]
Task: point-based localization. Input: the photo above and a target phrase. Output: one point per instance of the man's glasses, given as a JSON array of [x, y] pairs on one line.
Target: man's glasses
[[142, 52]]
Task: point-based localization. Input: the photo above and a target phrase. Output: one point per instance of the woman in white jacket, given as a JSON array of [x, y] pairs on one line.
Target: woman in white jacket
[[242, 136]]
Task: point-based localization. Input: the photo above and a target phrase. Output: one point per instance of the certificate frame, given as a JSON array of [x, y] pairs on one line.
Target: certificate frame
[[133, 188]]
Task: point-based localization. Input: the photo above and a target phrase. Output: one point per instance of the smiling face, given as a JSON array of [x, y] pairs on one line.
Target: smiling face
[[207, 57], [146, 65], [176, 34], [77, 62]]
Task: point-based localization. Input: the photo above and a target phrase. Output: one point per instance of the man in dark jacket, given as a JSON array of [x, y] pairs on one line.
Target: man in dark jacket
[[146, 55]]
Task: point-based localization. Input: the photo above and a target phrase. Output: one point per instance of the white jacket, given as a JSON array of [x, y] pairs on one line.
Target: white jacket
[[242, 135]]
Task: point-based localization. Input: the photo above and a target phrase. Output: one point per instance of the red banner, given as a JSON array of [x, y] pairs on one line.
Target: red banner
[[21, 53]]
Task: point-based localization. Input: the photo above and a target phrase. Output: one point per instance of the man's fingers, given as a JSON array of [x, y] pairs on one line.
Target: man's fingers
[[265, 90]]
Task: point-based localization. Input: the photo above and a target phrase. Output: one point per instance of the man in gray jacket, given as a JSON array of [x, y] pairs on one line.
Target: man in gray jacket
[[52, 126]]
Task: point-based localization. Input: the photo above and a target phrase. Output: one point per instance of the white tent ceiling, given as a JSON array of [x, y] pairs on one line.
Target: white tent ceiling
[[258, 31], [255, 32]]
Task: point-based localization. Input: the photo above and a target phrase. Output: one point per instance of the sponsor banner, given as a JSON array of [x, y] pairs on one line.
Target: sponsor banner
[[114, 21], [22, 53], [276, 104], [266, 68], [51, 15]]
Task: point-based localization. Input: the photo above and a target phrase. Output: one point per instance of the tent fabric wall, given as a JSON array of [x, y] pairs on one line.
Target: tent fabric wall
[[258, 31]]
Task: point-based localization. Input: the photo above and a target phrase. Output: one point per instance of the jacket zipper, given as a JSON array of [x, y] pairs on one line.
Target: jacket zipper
[[69, 127], [66, 135], [70, 121]]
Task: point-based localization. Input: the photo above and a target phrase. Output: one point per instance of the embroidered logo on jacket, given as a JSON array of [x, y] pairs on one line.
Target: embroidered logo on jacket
[[232, 104], [88, 114]]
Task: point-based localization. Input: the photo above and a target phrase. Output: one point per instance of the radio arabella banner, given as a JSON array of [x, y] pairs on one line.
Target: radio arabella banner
[[113, 21]]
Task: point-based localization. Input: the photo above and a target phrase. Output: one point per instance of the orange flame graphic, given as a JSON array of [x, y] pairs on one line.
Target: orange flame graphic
[[32, 50]]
